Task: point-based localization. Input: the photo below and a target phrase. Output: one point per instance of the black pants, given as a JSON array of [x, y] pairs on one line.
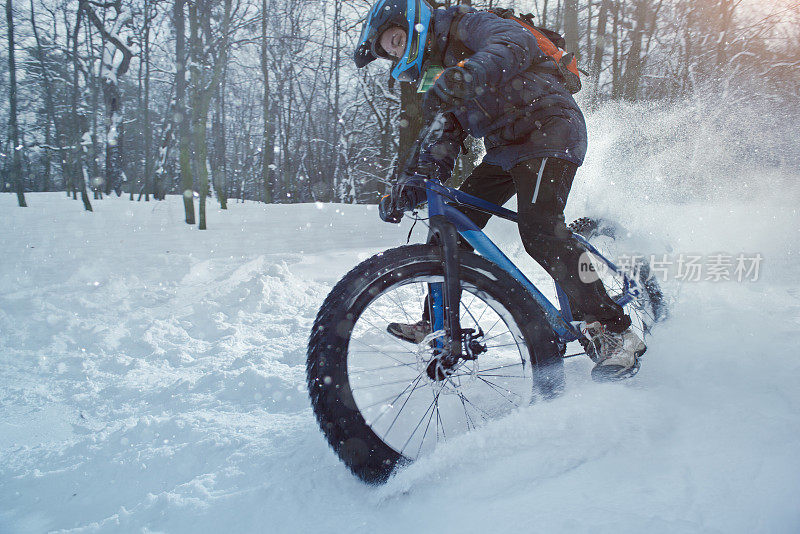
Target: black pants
[[542, 187]]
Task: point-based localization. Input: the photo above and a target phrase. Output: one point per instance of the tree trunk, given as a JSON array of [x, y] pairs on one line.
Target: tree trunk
[[48, 140], [343, 189], [113, 70], [599, 49], [633, 64], [167, 135], [544, 13], [726, 27], [204, 86], [268, 148], [218, 160], [199, 112], [78, 121], [16, 162], [49, 101], [571, 27], [616, 77], [410, 121], [200, 166], [115, 129], [92, 161], [148, 156], [181, 114]]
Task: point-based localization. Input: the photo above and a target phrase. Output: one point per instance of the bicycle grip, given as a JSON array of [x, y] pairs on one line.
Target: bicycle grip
[[388, 210]]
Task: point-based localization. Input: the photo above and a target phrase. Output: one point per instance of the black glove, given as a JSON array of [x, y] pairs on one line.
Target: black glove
[[407, 193], [455, 85], [388, 210]]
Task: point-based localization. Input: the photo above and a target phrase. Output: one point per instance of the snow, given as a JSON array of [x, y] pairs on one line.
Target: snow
[[152, 376], [113, 129]]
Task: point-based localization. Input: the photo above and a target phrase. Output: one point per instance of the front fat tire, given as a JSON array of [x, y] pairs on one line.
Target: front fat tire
[[337, 413]]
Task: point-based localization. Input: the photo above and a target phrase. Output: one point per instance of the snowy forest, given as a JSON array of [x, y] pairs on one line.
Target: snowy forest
[[191, 238], [259, 100]]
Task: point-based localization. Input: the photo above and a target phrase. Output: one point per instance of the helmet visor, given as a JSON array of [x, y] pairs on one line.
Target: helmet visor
[[370, 32], [363, 55]]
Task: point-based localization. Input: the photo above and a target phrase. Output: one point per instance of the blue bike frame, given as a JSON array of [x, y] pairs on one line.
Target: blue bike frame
[[559, 320]]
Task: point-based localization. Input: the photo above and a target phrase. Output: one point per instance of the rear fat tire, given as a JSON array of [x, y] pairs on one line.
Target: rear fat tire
[[591, 229], [335, 408]]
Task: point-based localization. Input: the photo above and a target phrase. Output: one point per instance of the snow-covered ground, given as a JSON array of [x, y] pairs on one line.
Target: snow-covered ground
[[152, 379]]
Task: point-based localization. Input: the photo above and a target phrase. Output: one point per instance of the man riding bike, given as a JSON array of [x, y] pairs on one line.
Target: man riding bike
[[498, 84]]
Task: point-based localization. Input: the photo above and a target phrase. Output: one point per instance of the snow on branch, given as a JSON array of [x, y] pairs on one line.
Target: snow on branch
[[120, 66]]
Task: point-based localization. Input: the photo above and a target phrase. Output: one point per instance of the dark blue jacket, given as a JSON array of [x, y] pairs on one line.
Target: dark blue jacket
[[522, 113]]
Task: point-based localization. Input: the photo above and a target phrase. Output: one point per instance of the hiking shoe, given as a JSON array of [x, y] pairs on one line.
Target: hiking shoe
[[413, 333], [616, 355]]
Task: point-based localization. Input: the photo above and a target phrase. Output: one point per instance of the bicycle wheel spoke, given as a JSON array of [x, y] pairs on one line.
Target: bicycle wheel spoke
[[435, 399], [469, 312], [392, 396], [495, 324], [399, 302], [485, 339], [474, 298], [412, 385], [439, 422], [406, 420], [498, 389], [464, 405], [499, 346], [404, 405], [503, 367], [376, 349], [382, 368], [390, 336], [381, 385], [485, 417], [482, 313], [427, 427], [379, 351]]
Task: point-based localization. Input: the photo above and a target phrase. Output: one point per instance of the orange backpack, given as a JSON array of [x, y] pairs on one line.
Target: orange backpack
[[551, 43]]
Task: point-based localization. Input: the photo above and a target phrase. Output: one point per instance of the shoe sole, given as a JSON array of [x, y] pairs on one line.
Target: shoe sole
[[402, 337], [607, 373]]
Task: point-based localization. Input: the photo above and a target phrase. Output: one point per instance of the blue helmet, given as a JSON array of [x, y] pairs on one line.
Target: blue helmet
[[413, 16]]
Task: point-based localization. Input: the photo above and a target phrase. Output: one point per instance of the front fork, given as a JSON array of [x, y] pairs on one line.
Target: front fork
[[446, 297]]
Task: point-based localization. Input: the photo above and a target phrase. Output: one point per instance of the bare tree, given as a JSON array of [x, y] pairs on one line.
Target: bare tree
[[16, 148], [49, 97], [290, 118], [144, 65], [80, 135], [571, 27], [209, 54], [182, 116], [116, 61], [268, 148], [599, 48]]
